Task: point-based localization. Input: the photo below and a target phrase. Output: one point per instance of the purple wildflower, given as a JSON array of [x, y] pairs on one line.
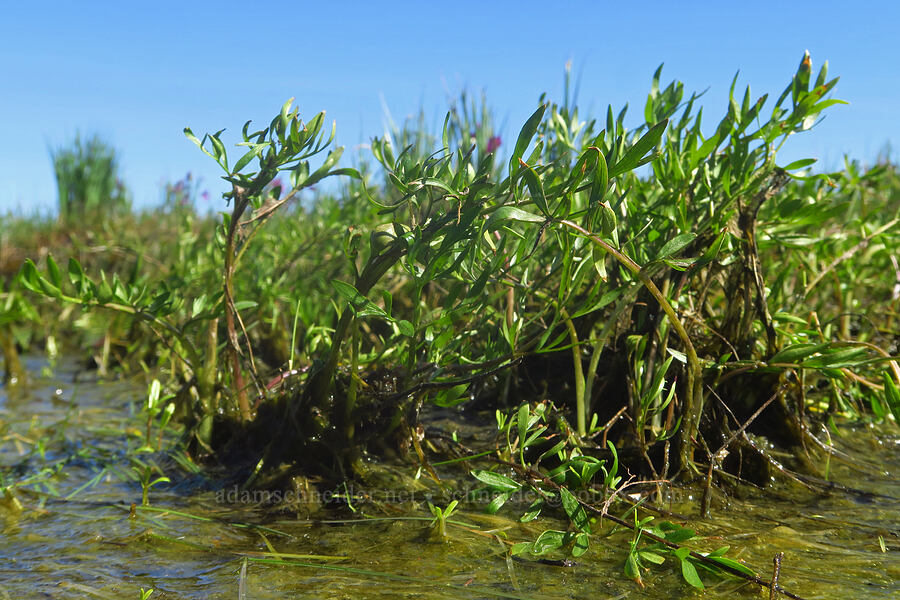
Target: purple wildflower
[[493, 144]]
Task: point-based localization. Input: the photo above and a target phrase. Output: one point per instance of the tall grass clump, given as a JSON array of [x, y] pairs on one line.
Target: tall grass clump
[[87, 179]]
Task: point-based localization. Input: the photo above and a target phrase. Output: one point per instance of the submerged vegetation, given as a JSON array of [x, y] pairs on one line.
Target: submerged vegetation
[[639, 308]]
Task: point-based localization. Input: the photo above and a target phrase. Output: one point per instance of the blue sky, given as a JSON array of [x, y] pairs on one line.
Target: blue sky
[[138, 73]]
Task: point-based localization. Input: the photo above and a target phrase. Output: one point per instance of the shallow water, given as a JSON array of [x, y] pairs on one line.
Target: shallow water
[[66, 540]]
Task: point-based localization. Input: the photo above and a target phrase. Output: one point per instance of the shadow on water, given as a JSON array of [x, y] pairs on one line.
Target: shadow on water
[[69, 531]]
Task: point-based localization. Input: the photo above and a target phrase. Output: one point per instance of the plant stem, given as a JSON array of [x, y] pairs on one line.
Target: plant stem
[[240, 205], [693, 405], [579, 374], [350, 406], [13, 371], [206, 383]]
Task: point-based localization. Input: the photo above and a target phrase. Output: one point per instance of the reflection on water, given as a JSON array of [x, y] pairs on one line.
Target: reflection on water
[[69, 533]]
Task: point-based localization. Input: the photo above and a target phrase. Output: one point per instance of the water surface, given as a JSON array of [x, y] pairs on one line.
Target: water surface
[[70, 531]]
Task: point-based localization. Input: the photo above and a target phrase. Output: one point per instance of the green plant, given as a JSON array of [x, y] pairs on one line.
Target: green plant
[[287, 144], [87, 180], [439, 523], [663, 287], [647, 397], [144, 473], [668, 264], [156, 405], [15, 311], [667, 541], [189, 326], [162, 312], [575, 471]]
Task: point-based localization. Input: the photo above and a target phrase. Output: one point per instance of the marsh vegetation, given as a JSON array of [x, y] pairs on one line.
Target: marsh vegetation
[[627, 316]]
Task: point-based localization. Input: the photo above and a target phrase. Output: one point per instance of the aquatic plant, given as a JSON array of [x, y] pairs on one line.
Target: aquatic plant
[[15, 313], [157, 406], [144, 473], [439, 523], [87, 180], [675, 285]]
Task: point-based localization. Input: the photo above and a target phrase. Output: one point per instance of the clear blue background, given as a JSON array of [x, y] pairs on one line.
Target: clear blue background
[[137, 73]]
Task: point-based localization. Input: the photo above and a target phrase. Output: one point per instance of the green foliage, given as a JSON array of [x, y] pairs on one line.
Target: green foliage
[[16, 314], [667, 542], [87, 180], [541, 430], [571, 487], [680, 254], [439, 523], [286, 144], [157, 406], [691, 284], [144, 473]]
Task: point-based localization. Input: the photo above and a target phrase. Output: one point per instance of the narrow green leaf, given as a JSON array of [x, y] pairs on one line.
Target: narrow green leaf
[[445, 133], [451, 397], [680, 264], [601, 180], [323, 171], [76, 273], [510, 213], [254, 151], [533, 511], [498, 502], [823, 74], [675, 245], [534, 435], [190, 135], [737, 566], [553, 450], [350, 293], [536, 190], [788, 318], [582, 543], [313, 127], [361, 306], [892, 395], [437, 183], [29, 277], [677, 355], [710, 254], [652, 557], [496, 481], [522, 423], [634, 157], [797, 352], [632, 569], [676, 533], [548, 541], [284, 117], [799, 164], [608, 223], [524, 138], [690, 574], [574, 510], [406, 328], [839, 358], [520, 548], [53, 272], [42, 285]]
